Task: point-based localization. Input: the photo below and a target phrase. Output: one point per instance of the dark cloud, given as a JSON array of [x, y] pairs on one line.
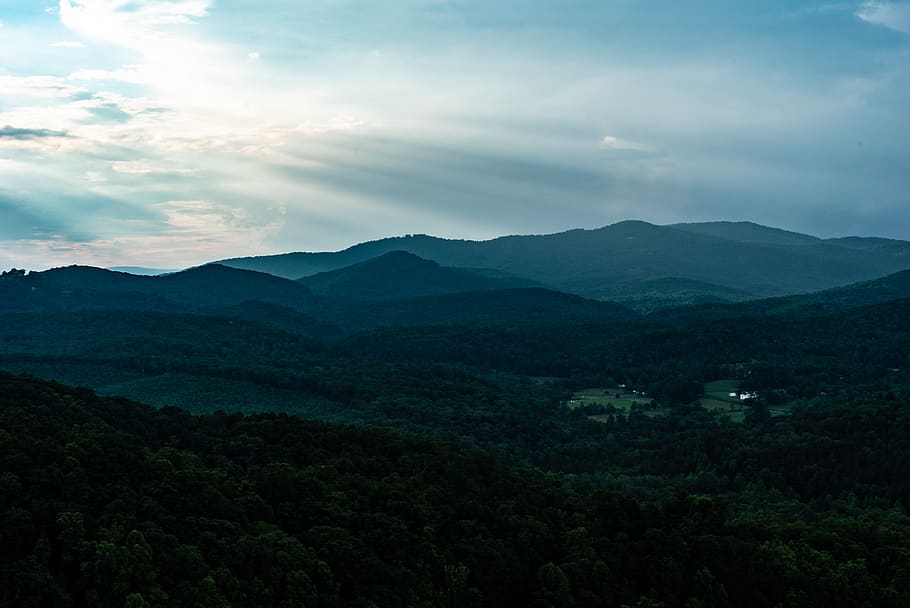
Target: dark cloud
[[18, 221], [825, 186], [497, 188], [18, 134]]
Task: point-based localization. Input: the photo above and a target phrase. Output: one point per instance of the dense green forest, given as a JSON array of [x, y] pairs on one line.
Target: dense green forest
[[421, 451], [105, 502]]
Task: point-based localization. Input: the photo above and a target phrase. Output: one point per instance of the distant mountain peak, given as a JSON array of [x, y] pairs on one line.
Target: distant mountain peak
[[399, 259]]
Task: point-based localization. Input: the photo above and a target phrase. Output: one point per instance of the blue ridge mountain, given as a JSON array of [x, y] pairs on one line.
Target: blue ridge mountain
[[642, 264]]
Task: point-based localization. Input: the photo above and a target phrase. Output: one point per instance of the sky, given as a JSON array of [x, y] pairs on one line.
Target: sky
[[169, 133]]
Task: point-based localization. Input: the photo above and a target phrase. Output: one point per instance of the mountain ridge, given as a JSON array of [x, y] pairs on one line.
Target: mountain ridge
[[736, 260], [209, 285]]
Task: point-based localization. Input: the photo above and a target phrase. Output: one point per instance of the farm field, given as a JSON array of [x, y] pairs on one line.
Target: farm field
[[721, 389], [619, 398], [717, 399]]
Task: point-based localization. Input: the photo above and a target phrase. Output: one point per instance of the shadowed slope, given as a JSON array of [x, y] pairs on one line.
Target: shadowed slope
[[400, 274]]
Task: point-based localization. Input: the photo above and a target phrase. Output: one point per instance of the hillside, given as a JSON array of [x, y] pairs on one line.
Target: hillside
[[504, 307], [731, 261], [892, 287], [219, 291], [747, 232], [89, 287], [400, 274]]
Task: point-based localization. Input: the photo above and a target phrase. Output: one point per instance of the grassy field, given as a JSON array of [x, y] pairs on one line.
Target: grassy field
[[608, 396], [720, 390], [605, 396], [717, 399]]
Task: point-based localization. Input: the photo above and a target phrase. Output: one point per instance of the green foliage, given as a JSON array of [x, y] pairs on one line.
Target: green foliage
[[467, 480], [106, 502]]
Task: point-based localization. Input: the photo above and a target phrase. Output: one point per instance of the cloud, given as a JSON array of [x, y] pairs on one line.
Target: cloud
[[134, 74], [176, 234], [17, 134], [893, 15], [830, 7], [144, 167], [425, 185], [128, 23], [36, 86], [69, 44], [612, 142], [19, 220], [462, 119]]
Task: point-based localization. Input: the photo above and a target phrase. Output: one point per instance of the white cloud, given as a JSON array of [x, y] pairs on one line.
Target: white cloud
[[188, 232], [822, 8], [129, 24], [133, 74], [144, 167], [36, 86], [893, 15], [253, 56], [69, 44], [615, 143], [9, 164]]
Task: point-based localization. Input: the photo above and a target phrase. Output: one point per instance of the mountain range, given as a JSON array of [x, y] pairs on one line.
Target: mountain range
[[645, 265], [754, 270]]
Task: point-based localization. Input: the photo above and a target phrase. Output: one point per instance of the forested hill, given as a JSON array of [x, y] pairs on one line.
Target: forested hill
[[400, 274], [88, 286], [636, 261], [228, 292], [105, 502], [892, 287]]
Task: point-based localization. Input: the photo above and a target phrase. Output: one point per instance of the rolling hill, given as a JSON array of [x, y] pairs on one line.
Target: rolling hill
[[224, 292], [866, 293], [79, 287]]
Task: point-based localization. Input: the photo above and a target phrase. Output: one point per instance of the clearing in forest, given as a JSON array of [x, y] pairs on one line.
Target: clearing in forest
[[620, 398]]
